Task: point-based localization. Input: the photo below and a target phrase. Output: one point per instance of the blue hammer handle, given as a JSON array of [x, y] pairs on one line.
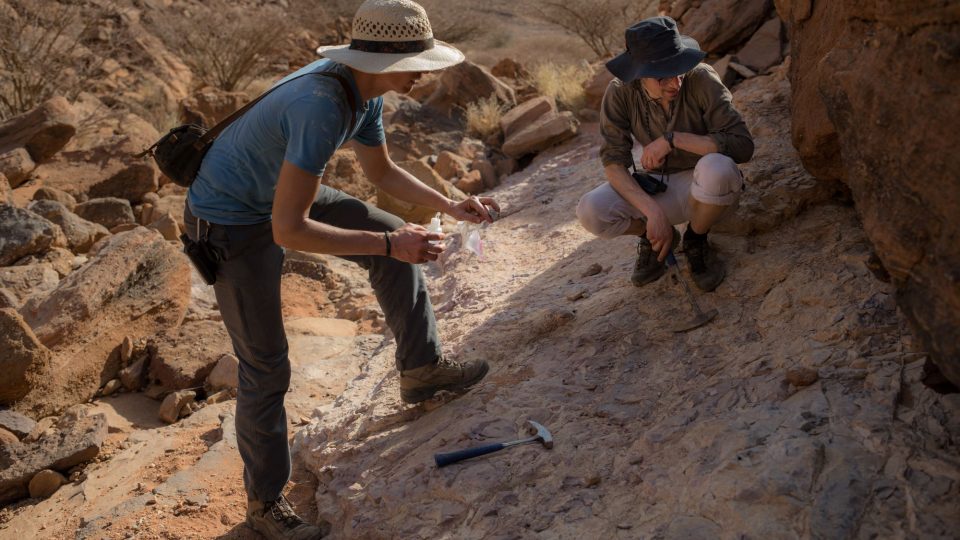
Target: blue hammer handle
[[460, 455]]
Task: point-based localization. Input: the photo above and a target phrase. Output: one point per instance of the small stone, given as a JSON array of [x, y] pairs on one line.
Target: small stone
[[577, 295], [592, 270], [126, 350], [45, 483], [801, 377], [175, 404], [111, 387]]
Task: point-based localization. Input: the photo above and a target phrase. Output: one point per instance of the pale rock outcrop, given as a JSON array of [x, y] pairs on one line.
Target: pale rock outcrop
[[546, 131], [43, 131], [853, 121], [467, 83], [718, 25], [23, 233], [106, 211], [80, 233], [521, 116], [73, 441], [135, 284]]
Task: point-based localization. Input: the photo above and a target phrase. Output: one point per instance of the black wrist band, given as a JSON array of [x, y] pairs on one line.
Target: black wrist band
[[386, 236], [669, 137]]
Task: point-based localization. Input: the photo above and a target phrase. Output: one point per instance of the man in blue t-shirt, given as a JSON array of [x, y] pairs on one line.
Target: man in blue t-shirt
[[258, 191]]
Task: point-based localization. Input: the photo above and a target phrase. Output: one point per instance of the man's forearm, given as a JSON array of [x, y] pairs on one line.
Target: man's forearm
[[624, 184], [316, 237], [696, 144], [406, 187]]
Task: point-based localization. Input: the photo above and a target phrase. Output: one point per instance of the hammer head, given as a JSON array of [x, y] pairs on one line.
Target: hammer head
[[542, 433]]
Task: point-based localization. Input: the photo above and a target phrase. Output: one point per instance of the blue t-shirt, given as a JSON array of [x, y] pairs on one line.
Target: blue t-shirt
[[303, 122]]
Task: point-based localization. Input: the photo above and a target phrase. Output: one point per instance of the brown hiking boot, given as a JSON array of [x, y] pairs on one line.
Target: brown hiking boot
[[422, 383], [277, 520], [648, 269], [706, 268]]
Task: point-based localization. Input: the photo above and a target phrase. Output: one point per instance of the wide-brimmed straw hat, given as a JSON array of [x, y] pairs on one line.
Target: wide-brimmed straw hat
[[655, 49], [390, 36]]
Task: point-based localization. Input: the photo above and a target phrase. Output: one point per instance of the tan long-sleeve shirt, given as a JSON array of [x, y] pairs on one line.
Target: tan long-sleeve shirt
[[703, 107]]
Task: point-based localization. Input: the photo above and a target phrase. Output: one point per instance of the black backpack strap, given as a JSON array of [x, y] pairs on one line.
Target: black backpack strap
[[217, 129]]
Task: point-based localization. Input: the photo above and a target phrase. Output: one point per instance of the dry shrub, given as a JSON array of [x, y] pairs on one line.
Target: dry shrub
[[562, 82], [224, 47], [483, 116], [49, 48], [600, 24]]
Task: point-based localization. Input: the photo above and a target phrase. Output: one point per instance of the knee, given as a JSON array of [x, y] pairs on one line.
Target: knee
[[717, 180], [591, 212]]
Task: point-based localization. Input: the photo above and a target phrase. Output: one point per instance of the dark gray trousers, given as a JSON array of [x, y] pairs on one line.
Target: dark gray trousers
[[248, 292]]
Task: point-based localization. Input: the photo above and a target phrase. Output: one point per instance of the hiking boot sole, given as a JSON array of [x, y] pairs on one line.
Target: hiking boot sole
[[422, 394]]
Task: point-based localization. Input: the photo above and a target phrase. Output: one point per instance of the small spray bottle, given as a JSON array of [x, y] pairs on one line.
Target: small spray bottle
[[436, 227]]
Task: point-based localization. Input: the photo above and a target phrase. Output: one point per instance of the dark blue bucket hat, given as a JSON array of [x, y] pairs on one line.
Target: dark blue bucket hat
[[655, 49]]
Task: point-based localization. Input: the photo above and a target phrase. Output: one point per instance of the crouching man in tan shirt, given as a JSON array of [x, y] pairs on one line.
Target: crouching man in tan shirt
[[692, 139]]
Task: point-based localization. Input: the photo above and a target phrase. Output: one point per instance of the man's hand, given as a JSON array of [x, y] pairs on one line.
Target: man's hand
[[654, 154], [473, 209], [412, 243], [660, 234]]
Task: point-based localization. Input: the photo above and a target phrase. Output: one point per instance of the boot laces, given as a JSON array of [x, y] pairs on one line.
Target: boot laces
[[282, 512]]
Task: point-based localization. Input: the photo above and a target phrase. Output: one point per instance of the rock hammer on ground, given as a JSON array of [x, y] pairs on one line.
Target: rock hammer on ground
[[542, 435]]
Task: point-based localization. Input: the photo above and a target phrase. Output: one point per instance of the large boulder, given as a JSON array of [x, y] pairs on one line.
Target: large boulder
[[80, 233], [467, 83], [24, 358], [74, 440], [718, 25], [43, 131], [525, 114], [23, 233], [106, 211], [185, 356], [16, 164], [134, 285], [898, 147], [550, 129], [101, 163], [765, 48], [596, 86]]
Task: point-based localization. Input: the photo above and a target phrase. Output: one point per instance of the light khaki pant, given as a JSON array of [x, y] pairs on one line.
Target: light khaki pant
[[715, 180]]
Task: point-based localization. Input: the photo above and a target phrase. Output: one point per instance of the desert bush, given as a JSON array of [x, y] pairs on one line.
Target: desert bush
[[48, 48], [224, 47], [483, 116], [562, 82], [600, 24]]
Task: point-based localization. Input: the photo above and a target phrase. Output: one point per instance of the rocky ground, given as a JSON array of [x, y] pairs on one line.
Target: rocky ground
[[797, 412]]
